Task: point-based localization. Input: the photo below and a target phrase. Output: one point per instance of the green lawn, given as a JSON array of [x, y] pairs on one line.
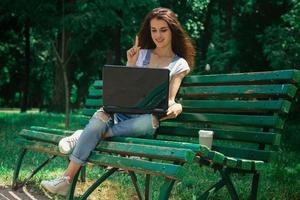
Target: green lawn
[[280, 179]]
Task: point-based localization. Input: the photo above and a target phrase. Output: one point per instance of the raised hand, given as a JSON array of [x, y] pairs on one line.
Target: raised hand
[[133, 53]]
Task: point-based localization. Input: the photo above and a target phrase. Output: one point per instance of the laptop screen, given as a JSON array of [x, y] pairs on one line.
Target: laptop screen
[[135, 90]]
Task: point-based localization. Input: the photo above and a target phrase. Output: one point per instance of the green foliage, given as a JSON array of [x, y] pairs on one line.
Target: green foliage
[[236, 43], [282, 42], [231, 36], [221, 55]]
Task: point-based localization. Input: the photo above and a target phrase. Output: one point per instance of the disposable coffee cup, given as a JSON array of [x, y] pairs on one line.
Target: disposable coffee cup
[[205, 138]]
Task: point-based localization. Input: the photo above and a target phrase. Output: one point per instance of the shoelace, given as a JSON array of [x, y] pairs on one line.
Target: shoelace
[[60, 180], [72, 141]]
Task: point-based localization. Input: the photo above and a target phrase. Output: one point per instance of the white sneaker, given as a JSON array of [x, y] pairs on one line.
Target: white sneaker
[[67, 144], [57, 186]]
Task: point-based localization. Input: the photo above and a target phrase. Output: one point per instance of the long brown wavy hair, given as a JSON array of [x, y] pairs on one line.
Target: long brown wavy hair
[[181, 42]]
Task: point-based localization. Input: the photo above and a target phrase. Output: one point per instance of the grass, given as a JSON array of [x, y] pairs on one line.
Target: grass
[[279, 180]]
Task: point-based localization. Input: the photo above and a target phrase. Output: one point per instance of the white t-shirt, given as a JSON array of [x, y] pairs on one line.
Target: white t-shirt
[[177, 66]]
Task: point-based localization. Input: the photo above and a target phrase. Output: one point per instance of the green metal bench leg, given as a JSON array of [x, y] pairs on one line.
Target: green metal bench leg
[[230, 187], [83, 174], [15, 185], [97, 183], [147, 184], [148, 187], [17, 169], [134, 181], [165, 189], [254, 189], [212, 189], [70, 195]]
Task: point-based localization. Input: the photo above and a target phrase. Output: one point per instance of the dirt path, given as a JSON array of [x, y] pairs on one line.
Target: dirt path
[[24, 193]]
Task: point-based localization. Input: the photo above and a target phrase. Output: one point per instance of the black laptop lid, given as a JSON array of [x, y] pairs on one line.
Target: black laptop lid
[[135, 89]]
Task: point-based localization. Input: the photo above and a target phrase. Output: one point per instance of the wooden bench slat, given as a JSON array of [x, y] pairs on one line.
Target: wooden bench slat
[[95, 93], [40, 147], [246, 136], [232, 119], [168, 170], [216, 157], [41, 136], [252, 91], [51, 130], [84, 121], [285, 76], [251, 106], [249, 164], [258, 165], [250, 154], [230, 162], [155, 152], [180, 145], [243, 164], [89, 111], [171, 171], [98, 84], [94, 103]]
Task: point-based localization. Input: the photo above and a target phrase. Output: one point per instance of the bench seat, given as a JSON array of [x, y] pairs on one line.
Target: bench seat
[[246, 112], [104, 153]]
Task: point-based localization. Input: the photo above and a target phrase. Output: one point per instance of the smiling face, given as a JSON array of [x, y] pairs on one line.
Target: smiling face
[[161, 33]]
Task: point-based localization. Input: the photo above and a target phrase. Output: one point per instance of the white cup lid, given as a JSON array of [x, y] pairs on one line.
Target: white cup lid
[[206, 133]]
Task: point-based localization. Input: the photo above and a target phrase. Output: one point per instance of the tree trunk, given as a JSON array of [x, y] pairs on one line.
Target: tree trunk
[[82, 91], [228, 22], [117, 39], [109, 57], [204, 41], [117, 45], [26, 74], [62, 60], [67, 96], [228, 28], [58, 98]]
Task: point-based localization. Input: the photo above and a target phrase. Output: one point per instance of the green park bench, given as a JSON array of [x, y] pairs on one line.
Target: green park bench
[[246, 111]]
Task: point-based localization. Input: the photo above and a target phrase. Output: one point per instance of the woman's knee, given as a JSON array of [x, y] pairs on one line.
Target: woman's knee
[[151, 126], [98, 124], [155, 122], [102, 115]]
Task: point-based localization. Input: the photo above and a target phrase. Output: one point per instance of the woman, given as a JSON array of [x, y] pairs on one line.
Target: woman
[[161, 43]]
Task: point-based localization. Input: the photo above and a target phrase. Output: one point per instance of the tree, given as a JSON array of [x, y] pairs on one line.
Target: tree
[[281, 42]]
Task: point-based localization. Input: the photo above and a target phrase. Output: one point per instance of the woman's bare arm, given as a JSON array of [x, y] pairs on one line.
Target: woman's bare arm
[[174, 108]]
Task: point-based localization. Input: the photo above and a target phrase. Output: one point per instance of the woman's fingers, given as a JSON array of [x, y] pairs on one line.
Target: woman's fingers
[[170, 116], [133, 51], [173, 111], [136, 42], [132, 55]]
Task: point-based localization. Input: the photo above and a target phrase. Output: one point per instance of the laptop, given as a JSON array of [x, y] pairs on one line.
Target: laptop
[[135, 90]]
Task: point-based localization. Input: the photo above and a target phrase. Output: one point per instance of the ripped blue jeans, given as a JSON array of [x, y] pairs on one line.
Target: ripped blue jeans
[[98, 129]]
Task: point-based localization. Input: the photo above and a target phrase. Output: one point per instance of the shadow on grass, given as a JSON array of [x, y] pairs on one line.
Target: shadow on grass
[[23, 193]]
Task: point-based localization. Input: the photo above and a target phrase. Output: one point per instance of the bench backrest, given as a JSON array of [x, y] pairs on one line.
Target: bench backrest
[[246, 111]]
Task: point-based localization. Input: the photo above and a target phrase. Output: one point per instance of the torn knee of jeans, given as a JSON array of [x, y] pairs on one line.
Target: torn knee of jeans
[[102, 116], [155, 122]]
